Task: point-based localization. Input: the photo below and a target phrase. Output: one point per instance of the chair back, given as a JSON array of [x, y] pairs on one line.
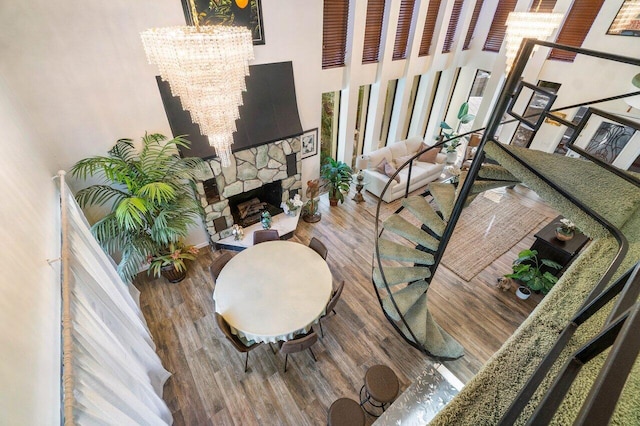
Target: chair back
[[319, 247], [218, 264], [299, 344], [334, 299], [262, 235], [223, 325]]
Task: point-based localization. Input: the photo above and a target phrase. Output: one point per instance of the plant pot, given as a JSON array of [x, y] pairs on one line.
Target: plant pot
[[523, 292], [333, 202], [452, 157], [172, 274], [561, 236], [312, 218]]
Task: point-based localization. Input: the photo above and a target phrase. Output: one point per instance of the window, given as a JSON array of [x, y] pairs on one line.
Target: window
[[334, 32], [372, 31], [576, 26], [541, 6], [472, 24], [361, 121], [453, 25], [432, 97], [411, 106], [538, 101], [429, 27], [562, 146], [404, 26], [329, 125], [388, 110], [498, 25], [475, 97]]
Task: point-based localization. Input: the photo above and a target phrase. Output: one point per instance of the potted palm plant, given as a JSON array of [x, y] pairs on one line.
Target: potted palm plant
[[150, 193], [449, 132], [337, 176]]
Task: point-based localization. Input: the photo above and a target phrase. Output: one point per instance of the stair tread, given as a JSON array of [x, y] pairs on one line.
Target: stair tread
[[422, 210], [394, 251], [406, 229], [497, 172], [429, 334], [404, 299], [444, 195], [400, 274]]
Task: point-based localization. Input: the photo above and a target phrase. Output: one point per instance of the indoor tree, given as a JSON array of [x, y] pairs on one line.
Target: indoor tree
[[150, 191]]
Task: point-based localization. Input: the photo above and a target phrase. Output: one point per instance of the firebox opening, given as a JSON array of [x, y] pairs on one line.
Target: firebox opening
[[246, 208]]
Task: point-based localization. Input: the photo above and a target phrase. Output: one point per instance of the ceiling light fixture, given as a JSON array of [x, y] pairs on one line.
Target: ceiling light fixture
[[206, 67]]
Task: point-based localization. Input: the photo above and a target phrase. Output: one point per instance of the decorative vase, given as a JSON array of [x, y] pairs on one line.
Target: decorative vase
[[292, 212], [563, 236], [172, 274], [333, 202], [266, 220], [523, 292]]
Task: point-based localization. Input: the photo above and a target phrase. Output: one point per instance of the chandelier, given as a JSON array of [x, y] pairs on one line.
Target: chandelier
[[521, 25], [206, 67]]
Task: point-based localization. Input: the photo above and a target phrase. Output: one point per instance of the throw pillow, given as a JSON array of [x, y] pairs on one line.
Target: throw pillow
[[389, 170], [401, 160], [429, 156], [380, 166]]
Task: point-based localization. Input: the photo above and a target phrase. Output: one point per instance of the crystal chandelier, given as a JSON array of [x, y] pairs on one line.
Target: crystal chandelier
[[206, 67], [521, 25]]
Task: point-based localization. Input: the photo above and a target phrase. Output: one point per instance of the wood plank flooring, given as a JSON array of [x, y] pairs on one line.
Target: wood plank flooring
[[209, 386]]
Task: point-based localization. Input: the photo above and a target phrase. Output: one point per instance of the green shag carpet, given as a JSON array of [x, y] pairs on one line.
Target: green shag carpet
[[488, 395]]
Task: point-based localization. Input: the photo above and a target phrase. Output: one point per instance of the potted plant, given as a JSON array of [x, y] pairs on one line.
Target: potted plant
[[448, 132], [566, 230], [527, 270], [150, 193], [338, 176], [171, 264], [310, 212]]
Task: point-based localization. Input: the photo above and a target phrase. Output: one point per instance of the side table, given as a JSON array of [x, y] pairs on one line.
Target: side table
[[562, 252]]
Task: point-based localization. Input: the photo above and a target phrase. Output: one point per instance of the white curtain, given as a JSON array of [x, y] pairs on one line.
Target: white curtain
[[111, 364]]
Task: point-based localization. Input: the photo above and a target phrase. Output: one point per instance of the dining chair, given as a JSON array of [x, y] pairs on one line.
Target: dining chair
[[299, 344], [235, 340], [318, 247], [331, 305], [263, 235], [218, 264]]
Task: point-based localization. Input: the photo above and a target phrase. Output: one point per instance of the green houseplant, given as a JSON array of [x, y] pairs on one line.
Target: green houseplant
[[310, 211], [449, 132], [150, 192], [172, 263], [527, 268], [337, 176]]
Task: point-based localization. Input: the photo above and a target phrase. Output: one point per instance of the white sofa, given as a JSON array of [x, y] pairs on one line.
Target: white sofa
[[421, 174]]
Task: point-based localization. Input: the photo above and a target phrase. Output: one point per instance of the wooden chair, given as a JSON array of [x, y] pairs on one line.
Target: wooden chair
[[263, 235], [299, 344], [318, 247], [218, 264], [235, 340], [331, 306]]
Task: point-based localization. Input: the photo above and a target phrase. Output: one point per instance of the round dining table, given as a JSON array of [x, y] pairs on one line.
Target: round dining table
[[273, 291]]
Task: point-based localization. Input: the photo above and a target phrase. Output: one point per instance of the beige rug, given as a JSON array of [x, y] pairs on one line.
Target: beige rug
[[486, 230]]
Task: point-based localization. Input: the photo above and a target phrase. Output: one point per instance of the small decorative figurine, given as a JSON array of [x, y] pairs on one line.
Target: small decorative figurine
[[266, 220]]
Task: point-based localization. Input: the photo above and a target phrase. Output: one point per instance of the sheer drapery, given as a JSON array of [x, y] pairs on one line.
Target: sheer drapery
[[111, 372]]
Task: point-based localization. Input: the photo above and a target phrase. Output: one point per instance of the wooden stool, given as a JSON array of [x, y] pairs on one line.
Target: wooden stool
[[380, 388], [345, 412]]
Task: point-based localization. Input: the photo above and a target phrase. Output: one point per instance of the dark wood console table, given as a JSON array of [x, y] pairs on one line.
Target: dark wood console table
[[562, 252]]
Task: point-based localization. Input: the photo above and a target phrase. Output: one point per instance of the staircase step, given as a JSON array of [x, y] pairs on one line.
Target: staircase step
[[429, 334], [422, 210], [496, 172], [400, 274], [406, 229], [444, 195], [404, 299], [395, 251]]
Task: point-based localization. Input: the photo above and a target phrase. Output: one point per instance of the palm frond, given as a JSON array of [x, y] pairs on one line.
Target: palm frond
[[99, 195], [159, 192], [130, 213]]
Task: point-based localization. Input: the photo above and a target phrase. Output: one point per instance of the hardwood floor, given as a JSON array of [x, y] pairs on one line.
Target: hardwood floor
[[209, 386]]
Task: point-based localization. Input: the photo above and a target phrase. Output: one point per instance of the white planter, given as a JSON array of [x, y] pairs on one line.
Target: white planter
[[452, 157], [523, 292]]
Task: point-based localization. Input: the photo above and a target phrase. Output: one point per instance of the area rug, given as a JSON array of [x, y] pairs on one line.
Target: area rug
[[485, 231]]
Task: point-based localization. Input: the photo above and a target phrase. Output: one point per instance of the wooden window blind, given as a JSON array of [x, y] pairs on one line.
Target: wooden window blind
[[543, 6], [404, 26], [498, 25], [576, 26], [372, 31], [429, 27], [472, 24], [335, 17], [453, 24]]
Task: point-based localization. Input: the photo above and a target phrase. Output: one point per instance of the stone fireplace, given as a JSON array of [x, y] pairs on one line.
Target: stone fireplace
[[250, 169]]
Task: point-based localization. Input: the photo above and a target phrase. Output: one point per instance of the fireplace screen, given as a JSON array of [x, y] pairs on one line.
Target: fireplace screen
[[247, 207]]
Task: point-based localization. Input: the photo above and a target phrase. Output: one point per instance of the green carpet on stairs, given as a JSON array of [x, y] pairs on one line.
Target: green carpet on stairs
[[487, 396]]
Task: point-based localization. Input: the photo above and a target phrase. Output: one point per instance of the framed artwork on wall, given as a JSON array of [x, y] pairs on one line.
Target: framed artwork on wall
[[309, 143], [246, 13], [627, 21], [608, 141]]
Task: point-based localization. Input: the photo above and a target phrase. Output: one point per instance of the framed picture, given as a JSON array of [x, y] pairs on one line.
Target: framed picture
[[246, 13], [627, 21], [309, 143]]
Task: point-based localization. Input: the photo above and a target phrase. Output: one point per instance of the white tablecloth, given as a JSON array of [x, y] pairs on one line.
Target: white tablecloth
[[273, 291]]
